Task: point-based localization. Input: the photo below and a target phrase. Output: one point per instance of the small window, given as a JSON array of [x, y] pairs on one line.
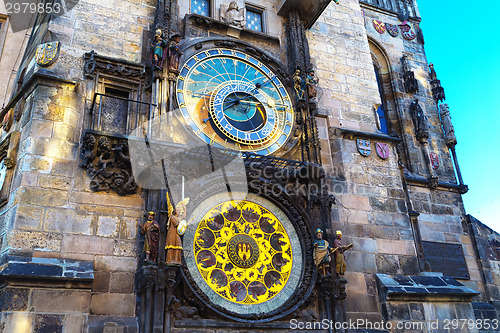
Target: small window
[[200, 7], [255, 18]]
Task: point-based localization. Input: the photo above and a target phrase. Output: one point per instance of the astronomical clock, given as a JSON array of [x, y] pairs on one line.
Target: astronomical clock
[[246, 259], [230, 99]]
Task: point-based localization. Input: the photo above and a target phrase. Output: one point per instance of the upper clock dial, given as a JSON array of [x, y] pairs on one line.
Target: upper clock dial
[[232, 100]]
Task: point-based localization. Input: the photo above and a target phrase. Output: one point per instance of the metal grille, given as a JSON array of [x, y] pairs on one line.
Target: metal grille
[[120, 115]]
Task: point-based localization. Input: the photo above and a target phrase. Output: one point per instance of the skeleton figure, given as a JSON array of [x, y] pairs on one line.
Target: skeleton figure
[[299, 85]]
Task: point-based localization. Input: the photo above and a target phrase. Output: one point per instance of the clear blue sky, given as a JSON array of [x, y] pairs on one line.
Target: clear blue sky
[[462, 40]]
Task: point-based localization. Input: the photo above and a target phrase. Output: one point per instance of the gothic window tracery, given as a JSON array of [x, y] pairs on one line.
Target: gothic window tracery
[[387, 111]]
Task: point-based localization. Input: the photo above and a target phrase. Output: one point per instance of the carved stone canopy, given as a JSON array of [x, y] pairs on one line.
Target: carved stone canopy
[[309, 10]]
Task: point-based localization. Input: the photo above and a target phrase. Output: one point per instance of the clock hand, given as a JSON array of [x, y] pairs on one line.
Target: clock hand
[[259, 85]]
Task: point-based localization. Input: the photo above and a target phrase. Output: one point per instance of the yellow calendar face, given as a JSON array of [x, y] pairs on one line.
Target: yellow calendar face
[[243, 252], [244, 258]]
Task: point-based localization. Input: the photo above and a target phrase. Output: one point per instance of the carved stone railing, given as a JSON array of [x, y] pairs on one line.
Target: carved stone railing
[[395, 6]]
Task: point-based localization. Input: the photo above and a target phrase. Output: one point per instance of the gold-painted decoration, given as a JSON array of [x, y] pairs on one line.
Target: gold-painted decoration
[[47, 53], [243, 252]]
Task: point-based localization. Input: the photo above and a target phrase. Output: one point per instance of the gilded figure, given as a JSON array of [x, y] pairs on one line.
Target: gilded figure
[[322, 252], [174, 243], [158, 46], [340, 265]]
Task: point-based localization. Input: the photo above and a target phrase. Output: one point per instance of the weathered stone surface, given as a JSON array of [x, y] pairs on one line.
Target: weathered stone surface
[[387, 264], [65, 168], [14, 299], [54, 182], [417, 311], [356, 302], [97, 324], [29, 217], [108, 226], [106, 200], [14, 322], [125, 248], [48, 323], [361, 262], [121, 282], [87, 245], [364, 244], [398, 311], [113, 304], [105, 263], [409, 265], [44, 197], [31, 240], [128, 227], [66, 301], [101, 281], [68, 221], [74, 323]]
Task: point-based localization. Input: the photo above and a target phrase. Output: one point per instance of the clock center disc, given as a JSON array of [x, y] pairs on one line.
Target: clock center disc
[[244, 111], [243, 251]]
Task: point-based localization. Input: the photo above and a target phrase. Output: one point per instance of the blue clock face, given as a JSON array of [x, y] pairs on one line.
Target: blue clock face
[[232, 100]]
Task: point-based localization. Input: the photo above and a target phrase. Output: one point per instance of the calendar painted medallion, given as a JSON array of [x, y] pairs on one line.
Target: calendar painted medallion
[[232, 100], [242, 254]]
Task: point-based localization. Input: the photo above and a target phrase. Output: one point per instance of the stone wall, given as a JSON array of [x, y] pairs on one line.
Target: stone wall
[[341, 56], [487, 243], [53, 213]]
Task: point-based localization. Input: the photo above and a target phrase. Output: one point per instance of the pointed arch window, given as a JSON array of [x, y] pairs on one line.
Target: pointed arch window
[[381, 111]]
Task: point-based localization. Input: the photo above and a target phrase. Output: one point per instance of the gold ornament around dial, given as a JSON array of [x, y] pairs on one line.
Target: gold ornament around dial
[[232, 100]]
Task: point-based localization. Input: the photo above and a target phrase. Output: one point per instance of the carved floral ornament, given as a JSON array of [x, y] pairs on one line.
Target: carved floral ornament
[[107, 162]]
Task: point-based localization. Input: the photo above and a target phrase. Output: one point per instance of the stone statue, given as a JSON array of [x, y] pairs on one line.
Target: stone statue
[[410, 83], [312, 85], [233, 15], [299, 85], [419, 121], [437, 89], [152, 230], [174, 53], [432, 72], [449, 131], [174, 242], [322, 252], [340, 265], [158, 47]]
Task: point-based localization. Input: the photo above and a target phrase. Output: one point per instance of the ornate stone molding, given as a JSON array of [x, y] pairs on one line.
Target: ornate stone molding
[[107, 161], [94, 63]]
